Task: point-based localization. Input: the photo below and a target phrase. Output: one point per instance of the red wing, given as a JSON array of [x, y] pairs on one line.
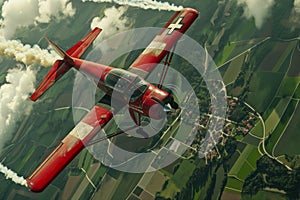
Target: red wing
[[163, 42], [70, 146], [80, 47]]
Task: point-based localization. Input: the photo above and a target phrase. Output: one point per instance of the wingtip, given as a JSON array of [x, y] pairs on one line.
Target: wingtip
[[36, 94], [33, 97], [191, 10], [97, 28]]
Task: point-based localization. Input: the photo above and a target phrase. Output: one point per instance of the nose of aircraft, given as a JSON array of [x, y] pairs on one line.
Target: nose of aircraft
[[167, 107], [157, 111], [161, 108]]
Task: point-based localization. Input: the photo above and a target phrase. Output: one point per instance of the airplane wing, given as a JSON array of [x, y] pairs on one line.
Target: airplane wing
[[163, 42], [70, 146]]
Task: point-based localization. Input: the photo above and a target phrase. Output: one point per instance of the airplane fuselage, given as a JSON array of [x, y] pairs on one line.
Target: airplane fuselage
[[126, 87]]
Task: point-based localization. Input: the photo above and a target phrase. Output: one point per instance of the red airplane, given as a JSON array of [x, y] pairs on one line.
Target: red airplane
[[140, 94]]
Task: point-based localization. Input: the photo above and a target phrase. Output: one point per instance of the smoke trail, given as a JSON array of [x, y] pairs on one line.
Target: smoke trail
[[295, 15], [54, 8], [144, 4], [20, 13], [14, 104], [25, 53], [14, 101], [9, 174], [297, 6], [258, 9], [111, 23]]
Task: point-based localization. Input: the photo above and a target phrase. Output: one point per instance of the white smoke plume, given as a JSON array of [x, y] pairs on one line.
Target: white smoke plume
[[144, 4], [113, 22], [14, 94], [54, 8], [23, 13], [9, 174], [295, 15], [257, 9], [14, 100], [26, 54], [297, 6]]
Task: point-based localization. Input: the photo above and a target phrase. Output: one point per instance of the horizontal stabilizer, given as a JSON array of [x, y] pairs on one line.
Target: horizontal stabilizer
[[80, 47], [60, 67]]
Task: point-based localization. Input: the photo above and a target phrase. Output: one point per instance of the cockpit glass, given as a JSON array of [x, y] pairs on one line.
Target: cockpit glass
[[131, 85]]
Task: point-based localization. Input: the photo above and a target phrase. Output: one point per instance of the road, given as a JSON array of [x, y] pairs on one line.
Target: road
[[247, 50], [263, 139]]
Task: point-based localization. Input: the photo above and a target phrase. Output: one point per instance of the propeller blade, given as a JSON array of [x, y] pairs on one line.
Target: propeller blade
[[167, 108]]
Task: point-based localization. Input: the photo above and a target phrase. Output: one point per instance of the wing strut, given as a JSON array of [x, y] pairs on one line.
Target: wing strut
[[110, 136], [167, 64]]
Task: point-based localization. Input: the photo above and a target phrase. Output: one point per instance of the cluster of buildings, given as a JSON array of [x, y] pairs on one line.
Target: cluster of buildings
[[212, 130], [245, 124]]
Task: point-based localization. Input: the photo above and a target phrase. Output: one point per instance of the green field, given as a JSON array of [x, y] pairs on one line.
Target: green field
[[257, 130], [281, 127], [250, 139], [243, 29], [297, 92], [224, 56], [246, 163], [275, 117], [233, 70], [100, 173], [26, 158], [290, 135], [180, 178], [127, 184], [245, 170], [284, 56], [183, 173], [220, 177], [269, 195], [270, 60], [263, 87], [170, 191], [276, 56], [294, 70], [253, 157], [234, 183], [288, 86]]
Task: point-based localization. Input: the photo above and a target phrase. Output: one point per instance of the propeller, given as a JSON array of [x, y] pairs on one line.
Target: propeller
[[167, 107], [169, 104]]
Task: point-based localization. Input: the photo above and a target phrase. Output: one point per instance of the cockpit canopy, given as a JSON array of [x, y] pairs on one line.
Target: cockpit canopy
[[127, 83]]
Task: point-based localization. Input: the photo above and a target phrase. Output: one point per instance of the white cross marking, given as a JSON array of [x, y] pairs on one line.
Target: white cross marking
[[177, 25]]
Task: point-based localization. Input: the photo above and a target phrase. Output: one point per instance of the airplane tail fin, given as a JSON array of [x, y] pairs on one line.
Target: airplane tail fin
[[64, 55], [60, 67]]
